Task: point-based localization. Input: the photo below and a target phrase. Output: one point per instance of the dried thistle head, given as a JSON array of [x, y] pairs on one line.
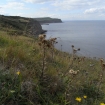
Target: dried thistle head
[[72, 46], [48, 45], [103, 65], [77, 70], [74, 58], [74, 49], [44, 41], [101, 60], [78, 49], [79, 61], [71, 71], [53, 39], [39, 44], [42, 37]]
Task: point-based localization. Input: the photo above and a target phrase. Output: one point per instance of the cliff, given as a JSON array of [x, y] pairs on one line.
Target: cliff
[[20, 25], [48, 20], [33, 27]]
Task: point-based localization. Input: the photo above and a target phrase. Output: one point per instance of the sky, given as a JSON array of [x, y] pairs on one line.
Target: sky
[[63, 9]]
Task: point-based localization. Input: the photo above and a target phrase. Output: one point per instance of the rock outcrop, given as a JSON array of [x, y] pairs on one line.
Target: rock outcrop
[[34, 28]]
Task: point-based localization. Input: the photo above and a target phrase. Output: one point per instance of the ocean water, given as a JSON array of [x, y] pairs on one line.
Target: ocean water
[[89, 36]]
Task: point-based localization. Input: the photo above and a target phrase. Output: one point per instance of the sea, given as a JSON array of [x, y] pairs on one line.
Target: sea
[[89, 36]]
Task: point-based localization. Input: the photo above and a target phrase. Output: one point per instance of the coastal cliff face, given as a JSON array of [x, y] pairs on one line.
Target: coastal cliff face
[[34, 28], [48, 20], [20, 25]]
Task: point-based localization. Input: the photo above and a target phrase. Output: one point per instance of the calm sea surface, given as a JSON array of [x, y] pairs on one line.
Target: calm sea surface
[[89, 36]]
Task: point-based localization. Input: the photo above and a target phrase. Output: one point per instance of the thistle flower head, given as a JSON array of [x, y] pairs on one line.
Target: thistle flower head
[[72, 46], [101, 60], [103, 65], [44, 41], [42, 36], [78, 49], [39, 44]]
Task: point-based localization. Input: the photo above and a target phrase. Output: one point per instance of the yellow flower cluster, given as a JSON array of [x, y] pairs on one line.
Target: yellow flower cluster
[[78, 99], [102, 104], [18, 72], [85, 97]]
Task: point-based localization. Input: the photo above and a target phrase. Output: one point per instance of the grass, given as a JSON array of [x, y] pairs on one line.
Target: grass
[[32, 72]]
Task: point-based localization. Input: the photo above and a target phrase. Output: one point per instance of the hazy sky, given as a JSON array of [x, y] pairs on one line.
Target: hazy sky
[[64, 9]]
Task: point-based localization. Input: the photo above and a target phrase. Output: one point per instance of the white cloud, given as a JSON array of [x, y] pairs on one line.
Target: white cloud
[[70, 4], [76, 4], [13, 5], [37, 1], [12, 8], [95, 10], [45, 9]]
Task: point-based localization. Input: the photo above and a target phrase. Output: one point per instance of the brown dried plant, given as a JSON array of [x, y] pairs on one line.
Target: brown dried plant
[[101, 76], [44, 45]]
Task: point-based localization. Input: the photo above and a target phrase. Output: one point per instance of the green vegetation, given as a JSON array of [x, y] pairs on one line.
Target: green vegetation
[[33, 72], [16, 25], [48, 20], [13, 24], [44, 18]]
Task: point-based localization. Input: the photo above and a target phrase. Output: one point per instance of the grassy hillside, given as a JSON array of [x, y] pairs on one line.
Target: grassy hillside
[[32, 72], [20, 25]]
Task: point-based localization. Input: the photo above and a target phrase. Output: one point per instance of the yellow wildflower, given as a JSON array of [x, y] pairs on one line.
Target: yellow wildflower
[[78, 99], [18, 72], [102, 104], [84, 96]]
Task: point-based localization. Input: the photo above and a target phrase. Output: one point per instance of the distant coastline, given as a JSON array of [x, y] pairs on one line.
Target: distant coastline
[[47, 20]]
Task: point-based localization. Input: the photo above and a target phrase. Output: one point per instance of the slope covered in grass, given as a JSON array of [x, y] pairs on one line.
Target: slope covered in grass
[[66, 80], [16, 25]]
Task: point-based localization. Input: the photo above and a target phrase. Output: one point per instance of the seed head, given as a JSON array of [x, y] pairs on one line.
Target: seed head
[[44, 41], [39, 44], [101, 60], [78, 49], [103, 65]]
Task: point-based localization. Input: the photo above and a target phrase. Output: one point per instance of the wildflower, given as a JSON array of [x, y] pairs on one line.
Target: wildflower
[[71, 71], [102, 104], [85, 97], [12, 91], [18, 72], [78, 99]]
